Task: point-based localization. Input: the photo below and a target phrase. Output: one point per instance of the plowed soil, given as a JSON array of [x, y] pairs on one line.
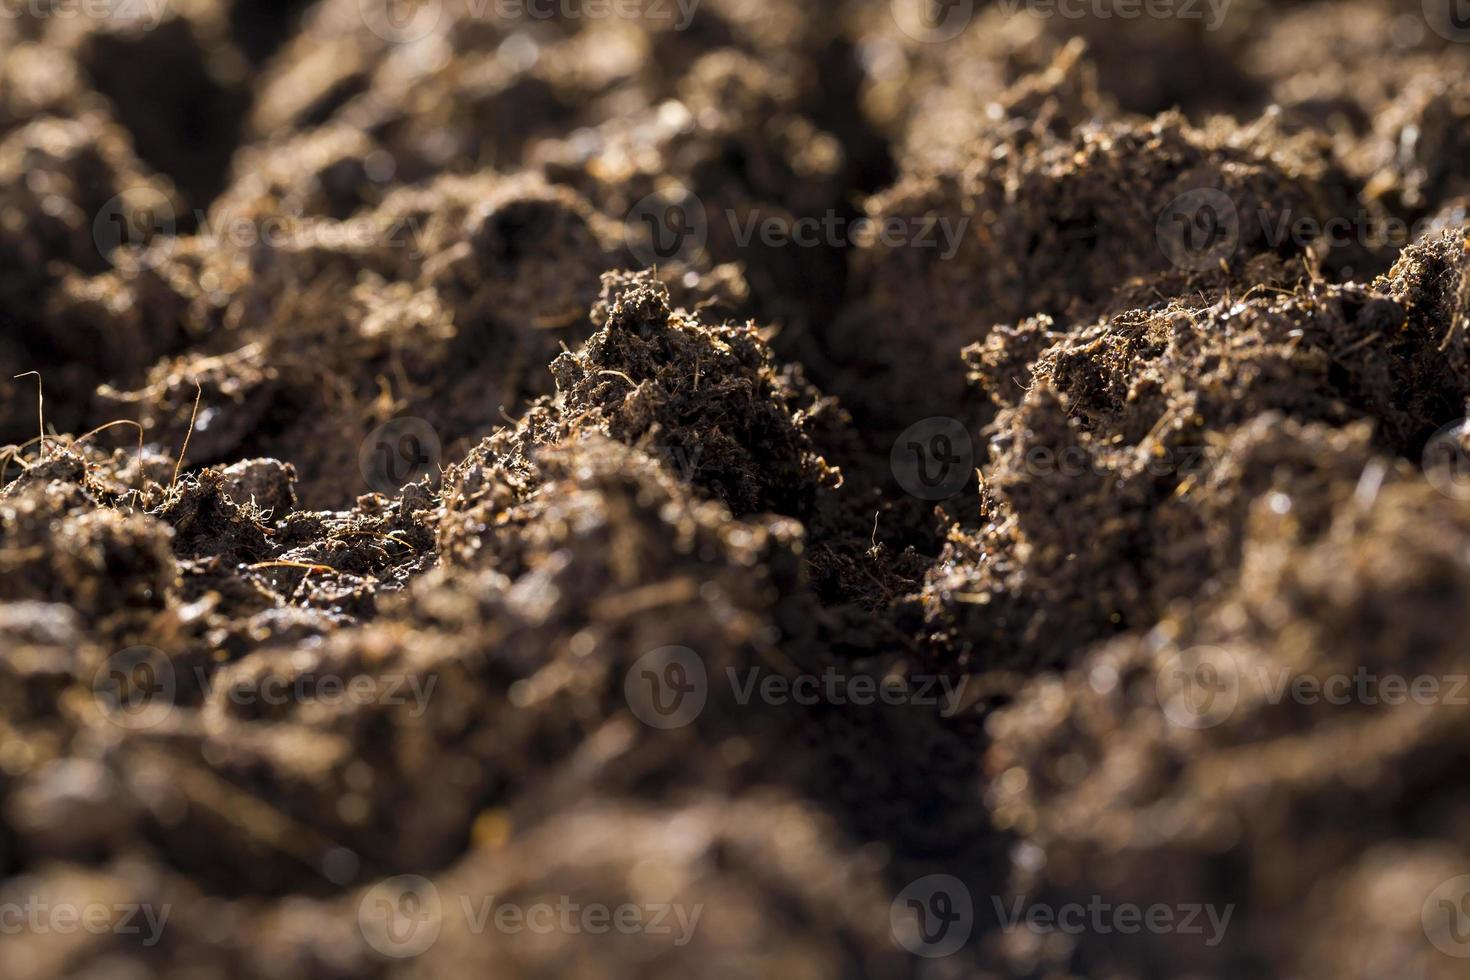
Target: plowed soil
[[734, 489]]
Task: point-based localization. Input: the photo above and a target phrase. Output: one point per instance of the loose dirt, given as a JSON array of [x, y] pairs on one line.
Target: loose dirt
[[771, 489]]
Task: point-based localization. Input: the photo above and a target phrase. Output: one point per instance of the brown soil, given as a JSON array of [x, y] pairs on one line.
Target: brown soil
[[399, 401]]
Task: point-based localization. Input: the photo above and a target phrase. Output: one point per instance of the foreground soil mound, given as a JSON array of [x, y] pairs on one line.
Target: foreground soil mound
[[734, 489]]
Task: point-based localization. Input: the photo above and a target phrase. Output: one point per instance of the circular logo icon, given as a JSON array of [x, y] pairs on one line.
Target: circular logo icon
[[667, 687], [933, 916], [1446, 917], [135, 687], [1446, 460], [401, 917], [667, 225], [399, 452], [933, 459], [1198, 688], [401, 21], [1450, 19], [130, 221], [1199, 229], [932, 21]]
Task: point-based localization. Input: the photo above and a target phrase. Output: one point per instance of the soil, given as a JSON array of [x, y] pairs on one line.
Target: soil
[[399, 401]]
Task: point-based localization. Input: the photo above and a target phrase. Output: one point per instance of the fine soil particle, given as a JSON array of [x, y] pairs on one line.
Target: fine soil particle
[[466, 462]]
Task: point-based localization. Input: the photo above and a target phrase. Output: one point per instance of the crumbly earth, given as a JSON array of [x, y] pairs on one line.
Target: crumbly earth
[[734, 489]]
